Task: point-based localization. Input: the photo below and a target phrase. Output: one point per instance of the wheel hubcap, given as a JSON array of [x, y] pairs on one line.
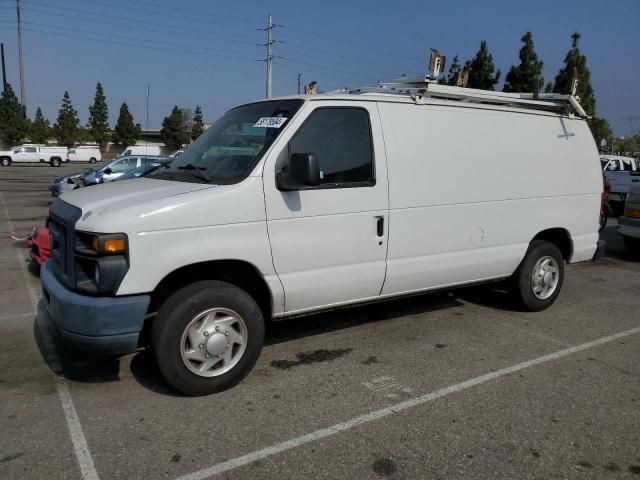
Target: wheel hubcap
[[545, 277], [213, 342]]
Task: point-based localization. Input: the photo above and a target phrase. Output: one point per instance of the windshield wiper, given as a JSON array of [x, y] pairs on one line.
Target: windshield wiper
[[198, 172]]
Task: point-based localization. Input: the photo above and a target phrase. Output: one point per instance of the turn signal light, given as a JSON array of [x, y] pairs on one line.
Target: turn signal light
[[115, 245]]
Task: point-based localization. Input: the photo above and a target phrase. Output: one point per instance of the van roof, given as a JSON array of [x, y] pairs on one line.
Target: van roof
[[424, 92]]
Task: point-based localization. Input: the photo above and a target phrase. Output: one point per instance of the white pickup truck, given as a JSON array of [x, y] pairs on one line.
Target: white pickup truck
[[33, 154], [622, 173]]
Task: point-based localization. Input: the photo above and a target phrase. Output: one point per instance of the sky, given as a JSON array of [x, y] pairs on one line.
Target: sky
[[206, 52]]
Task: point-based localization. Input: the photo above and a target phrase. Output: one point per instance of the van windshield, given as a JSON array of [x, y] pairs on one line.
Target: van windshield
[[227, 152]]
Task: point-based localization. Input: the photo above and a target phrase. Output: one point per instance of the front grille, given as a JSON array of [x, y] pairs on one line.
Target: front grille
[[62, 222]]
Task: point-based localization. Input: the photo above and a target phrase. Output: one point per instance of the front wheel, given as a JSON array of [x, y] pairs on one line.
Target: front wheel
[[207, 337], [55, 162], [5, 161], [92, 160], [538, 279]]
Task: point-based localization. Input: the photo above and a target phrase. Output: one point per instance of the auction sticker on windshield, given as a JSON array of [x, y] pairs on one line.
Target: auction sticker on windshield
[[270, 122]]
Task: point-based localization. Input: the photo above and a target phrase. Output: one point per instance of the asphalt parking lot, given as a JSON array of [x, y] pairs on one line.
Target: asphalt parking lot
[[446, 385]]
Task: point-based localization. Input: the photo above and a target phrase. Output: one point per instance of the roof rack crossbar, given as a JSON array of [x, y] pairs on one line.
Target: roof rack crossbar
[[419, 89]]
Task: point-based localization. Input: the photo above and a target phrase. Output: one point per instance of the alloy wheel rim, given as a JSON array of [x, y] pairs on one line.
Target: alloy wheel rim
[[213, 342], [545, 278]]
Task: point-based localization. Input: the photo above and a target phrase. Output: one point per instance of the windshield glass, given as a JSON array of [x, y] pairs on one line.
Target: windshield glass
[[228, 151]]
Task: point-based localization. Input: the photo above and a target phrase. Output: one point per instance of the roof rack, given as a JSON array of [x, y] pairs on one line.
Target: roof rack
[[420, 89]]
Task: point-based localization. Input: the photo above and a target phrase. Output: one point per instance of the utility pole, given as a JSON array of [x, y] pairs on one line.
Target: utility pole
[[23, 95], [299, 81], [4, 72], [270, 56]]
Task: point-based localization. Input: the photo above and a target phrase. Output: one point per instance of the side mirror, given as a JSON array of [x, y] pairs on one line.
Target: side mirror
[[108, 171], [302, 171]]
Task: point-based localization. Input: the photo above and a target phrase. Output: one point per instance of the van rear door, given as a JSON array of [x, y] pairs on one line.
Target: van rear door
[[329, 242]]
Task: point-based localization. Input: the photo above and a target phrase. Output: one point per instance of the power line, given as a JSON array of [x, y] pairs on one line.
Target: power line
[[136, 39], [138, 27]]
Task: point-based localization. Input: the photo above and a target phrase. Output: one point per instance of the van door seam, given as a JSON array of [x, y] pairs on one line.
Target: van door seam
[[386, 163]]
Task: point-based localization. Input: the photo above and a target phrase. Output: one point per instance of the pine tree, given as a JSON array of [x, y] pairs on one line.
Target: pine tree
[[125, 132], [548, 88], [527, 76], [66, 128], [575, 63], [173, 131], [454, 70], [481, 70], [39, 129], [99, 118], [13, 120], [198, 123]]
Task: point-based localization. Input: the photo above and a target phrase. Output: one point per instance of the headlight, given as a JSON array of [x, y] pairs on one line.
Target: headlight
[[101, 261]]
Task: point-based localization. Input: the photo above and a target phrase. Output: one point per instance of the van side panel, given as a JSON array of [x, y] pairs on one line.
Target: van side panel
[[470, 187]]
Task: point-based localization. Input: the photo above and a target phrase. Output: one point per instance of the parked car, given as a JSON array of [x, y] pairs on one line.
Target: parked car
[[621, 173], [84, 153], [114, 169], [146, 168], [30, 153], [629, 222], [146, 150], [302, 204], [67, 183]]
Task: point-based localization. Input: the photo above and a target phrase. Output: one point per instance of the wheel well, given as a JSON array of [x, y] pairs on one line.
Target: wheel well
[[560, 238], [237, 272]]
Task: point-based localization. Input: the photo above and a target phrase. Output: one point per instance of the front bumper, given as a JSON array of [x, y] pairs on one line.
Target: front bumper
[[107, 325], [629, 227]]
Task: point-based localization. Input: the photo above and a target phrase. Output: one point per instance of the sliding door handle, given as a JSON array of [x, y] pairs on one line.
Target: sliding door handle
[[380, 226]]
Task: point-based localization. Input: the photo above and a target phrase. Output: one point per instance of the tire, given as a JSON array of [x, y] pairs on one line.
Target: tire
[[632, 245], [92, 160], [55, 162], [5, 161], [180, 340], [531, 291]]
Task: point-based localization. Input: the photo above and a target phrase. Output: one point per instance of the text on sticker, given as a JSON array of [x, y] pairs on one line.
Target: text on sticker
[[270, 122]]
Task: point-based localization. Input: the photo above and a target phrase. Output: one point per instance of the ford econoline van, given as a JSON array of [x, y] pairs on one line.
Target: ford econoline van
[[306, 203]]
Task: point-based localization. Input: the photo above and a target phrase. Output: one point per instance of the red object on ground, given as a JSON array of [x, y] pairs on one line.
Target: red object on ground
[[39, 245]]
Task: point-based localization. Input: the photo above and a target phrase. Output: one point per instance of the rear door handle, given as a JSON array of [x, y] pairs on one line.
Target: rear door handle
[[380, 226]]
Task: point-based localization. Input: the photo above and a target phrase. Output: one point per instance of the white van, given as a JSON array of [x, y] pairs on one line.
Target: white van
[[33, 153], [83, 153], [307, 203], [140, 150]]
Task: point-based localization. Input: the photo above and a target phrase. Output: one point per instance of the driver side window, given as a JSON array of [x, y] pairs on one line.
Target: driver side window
[[123, 165], [341, 140]]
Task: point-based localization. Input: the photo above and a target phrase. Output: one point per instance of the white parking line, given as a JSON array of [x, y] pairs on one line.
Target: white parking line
[[393, 409], [17, 315], [78, 440]]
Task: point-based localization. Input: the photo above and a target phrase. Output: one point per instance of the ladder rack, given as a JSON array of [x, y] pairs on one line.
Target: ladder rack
[[420, 89]]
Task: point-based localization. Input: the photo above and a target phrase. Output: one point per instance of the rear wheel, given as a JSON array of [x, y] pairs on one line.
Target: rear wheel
[[538, 280], [92, 160], [5, 161], [55, 162], [207, 337]]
